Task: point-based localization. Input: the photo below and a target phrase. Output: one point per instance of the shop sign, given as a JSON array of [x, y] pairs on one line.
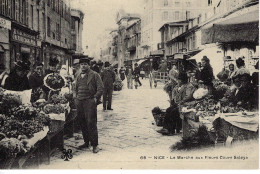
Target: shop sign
[[23, 37], [5, 23]]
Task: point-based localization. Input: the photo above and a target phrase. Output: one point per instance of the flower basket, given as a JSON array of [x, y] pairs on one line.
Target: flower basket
[[54, 81]]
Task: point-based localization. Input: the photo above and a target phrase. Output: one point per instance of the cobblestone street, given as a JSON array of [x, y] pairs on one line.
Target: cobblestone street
[[128, 138], [127, 131]]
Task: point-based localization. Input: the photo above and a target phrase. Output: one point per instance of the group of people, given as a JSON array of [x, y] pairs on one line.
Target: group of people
[[91, 80], [244, 89]]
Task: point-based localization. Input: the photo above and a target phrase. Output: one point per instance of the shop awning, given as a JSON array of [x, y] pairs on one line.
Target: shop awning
[[243, 28], [139, 62], [114, 63]]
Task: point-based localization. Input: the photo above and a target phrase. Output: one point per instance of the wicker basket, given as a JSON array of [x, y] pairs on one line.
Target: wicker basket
[[56, 125], [159, 118]]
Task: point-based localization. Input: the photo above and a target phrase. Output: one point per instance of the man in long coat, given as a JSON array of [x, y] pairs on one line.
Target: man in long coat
[[88, 89], [108, 77]]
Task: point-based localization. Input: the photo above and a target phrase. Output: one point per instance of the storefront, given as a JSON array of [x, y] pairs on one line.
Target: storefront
[[237, 37], [24, 45], [51, 51], [5, 27]]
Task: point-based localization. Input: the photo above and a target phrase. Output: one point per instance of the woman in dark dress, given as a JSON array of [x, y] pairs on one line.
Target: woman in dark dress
[[18, 80], [206, 75]]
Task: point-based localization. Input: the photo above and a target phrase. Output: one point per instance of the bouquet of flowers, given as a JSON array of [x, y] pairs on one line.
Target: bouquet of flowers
[[54, 81]]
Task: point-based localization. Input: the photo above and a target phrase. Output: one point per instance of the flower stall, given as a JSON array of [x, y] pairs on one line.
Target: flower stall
[[30, 132]]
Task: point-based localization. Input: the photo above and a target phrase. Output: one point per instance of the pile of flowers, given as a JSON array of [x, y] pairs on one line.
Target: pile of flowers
[[18, 123], [54, 81]]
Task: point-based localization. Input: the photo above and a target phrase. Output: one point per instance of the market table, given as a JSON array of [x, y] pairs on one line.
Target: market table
[[237, 126]]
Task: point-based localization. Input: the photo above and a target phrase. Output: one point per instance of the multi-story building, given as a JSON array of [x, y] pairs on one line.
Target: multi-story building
[[158, 12], [109, 46], [232, 20], [57, 40], [36, 30], [19, 31], [77, 17], [133, 41], [124, 20]]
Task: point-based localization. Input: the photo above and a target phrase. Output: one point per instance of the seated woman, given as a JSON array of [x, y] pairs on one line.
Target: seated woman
[[181, 94], [18, 80]]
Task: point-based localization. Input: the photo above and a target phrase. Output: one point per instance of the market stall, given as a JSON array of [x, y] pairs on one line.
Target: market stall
[[212, 119], [31, 132]]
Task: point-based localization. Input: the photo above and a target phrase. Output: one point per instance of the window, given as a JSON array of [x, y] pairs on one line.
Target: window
[[58, 31], [32, 15], [43, 22], [49, 2], [177, 15], [188, 4], [165, 15], [38, 19], [165, 3], [65, 40], [177, 4], [49, 27], [188, 15]]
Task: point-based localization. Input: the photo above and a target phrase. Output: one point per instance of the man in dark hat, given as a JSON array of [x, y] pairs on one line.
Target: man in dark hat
[[88, 89], [95, 67], [18, 80], [136, 74], [108, 77]]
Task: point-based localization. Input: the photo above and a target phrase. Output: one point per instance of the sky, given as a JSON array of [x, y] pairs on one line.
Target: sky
[[99, 16]]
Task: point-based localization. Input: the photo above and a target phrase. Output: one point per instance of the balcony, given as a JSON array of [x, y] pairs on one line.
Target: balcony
[[160, 46]]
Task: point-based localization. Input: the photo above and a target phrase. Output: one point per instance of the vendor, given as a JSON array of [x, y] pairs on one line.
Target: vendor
[[36, 82], [241, 69], [206, 75], [243, 94], [18, 80], [181, 94], [174, 73], [53, 66]]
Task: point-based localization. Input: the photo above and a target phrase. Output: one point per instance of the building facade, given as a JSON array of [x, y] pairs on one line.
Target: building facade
[[77, 18], [124, 20], [158, 12], [35, 30], [133, 42], [198, 37]]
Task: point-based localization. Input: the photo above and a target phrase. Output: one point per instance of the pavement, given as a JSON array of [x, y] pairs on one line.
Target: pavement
[[128, 137]]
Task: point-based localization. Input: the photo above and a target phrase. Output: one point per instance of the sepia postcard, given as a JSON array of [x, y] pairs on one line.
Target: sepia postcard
[[120, 84]]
